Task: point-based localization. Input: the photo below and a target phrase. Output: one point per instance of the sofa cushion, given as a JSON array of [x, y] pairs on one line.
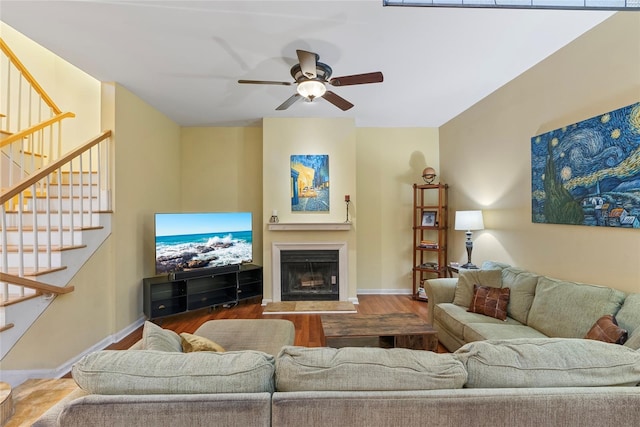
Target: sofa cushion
[[606, 329], [568, 309], [192, 343], [548, 362], [366, 369], [455, 318], [156, 338], [501, 331], [490, 301], [157, 372], [634, 339], [523, 288], [629, 315], [468, 278], [493, 265]]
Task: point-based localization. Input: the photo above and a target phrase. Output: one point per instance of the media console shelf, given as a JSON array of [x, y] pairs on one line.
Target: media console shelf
[[163, 296]]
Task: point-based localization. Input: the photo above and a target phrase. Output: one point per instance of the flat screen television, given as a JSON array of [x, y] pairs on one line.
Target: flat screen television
[[190, 241]]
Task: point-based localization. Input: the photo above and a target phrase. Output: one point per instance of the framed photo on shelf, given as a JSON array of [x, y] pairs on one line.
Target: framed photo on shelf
[[429, 218]]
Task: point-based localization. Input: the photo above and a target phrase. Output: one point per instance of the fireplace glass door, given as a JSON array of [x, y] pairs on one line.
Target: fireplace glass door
[[309, 275]]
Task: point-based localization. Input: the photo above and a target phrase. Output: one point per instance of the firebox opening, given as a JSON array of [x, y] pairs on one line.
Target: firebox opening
[[309, 275]]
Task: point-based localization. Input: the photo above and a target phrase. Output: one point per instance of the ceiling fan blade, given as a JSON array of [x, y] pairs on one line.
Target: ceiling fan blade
[[265, 82], [357, 79], [289, 102], [308, 62], [337, 100]]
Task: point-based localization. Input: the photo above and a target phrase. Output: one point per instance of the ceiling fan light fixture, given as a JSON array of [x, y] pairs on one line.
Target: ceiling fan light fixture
[[311, 89]]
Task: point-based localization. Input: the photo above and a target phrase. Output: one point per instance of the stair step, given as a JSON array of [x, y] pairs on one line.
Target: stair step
[[15, 299], [52, 212], [42, 248], [4, 328], [54, 229], [31, 273], [29, 153]]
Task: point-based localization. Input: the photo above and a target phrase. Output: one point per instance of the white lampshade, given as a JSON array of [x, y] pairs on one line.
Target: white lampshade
[[311, 89], [469, 220]]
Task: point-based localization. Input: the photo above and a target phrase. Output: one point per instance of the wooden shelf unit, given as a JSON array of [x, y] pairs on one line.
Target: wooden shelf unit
[[430, 228], [163, 296]]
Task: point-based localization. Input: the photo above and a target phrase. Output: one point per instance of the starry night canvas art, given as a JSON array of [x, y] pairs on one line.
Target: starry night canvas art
[[588, 173]]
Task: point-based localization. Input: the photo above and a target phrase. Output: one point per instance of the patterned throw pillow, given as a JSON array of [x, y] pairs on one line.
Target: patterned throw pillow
[[606, 329], [490, 301]]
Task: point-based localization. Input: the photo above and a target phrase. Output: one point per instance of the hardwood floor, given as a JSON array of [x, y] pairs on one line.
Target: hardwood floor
[[308, 328]]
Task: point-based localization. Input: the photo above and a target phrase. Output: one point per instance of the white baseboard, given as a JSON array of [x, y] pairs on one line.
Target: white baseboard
[[16, 377], [385, 291]]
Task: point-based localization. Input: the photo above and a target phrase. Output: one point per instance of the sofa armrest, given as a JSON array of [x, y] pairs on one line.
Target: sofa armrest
[[439, 291]]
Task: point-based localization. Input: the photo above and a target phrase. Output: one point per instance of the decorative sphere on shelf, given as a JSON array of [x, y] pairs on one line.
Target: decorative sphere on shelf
[[429, 175]]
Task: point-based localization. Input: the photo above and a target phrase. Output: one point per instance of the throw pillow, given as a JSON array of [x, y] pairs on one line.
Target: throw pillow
[[548, 362], [468, 278], [192, 343], [606, 329], [490, 301], [156, 338]]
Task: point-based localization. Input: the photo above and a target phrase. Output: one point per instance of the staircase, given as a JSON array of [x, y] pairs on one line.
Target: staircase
[[55, 209]]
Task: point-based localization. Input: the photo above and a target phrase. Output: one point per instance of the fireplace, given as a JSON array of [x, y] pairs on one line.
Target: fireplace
[[309, 271], [309, 275]]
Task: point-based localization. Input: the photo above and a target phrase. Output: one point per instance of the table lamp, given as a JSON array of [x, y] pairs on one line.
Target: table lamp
[[469, 220]]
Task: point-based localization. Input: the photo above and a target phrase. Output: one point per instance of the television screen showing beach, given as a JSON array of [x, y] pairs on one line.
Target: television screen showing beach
[[187, 241]]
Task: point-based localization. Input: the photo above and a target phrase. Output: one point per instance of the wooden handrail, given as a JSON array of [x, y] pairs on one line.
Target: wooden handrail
[[41, 173], [32, 284], [14, 59], [35, 128]]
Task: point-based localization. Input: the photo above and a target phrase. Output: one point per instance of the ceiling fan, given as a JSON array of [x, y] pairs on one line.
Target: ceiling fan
[[311, 78]]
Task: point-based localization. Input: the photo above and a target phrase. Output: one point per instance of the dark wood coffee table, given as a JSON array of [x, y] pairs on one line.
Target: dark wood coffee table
[[405, 330]]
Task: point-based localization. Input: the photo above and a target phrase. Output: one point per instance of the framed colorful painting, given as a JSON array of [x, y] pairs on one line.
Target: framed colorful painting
[[310, 183], [588, 173]]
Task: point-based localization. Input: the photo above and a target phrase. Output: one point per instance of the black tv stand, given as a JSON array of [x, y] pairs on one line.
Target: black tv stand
[[175, 293], [206, 271]]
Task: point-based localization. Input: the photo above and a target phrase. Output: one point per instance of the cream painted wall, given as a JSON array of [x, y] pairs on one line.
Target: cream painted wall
[[147, 180], [485, 157], [388, 162], [70, 88], [221, 171], [287, 136]]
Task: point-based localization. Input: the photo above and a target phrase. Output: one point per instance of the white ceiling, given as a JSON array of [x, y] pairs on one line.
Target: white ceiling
[[185, 57]]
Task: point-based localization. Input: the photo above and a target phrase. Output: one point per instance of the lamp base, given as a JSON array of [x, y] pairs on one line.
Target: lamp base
[[469, 266]]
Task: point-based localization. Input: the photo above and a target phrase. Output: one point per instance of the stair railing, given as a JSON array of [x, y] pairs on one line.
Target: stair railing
[[30, 149], [30, 118], [87, 171], [23, 94]]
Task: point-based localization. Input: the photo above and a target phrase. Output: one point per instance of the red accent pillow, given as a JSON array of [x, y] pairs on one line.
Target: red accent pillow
[[490, 301], [606, 329]]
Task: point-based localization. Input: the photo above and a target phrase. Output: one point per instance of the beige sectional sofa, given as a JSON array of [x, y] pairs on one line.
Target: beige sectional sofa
[[156, 384], [531, 381], [538, 307]]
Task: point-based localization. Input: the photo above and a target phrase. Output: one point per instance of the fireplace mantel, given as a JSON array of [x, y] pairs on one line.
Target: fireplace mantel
[[310, 226]]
